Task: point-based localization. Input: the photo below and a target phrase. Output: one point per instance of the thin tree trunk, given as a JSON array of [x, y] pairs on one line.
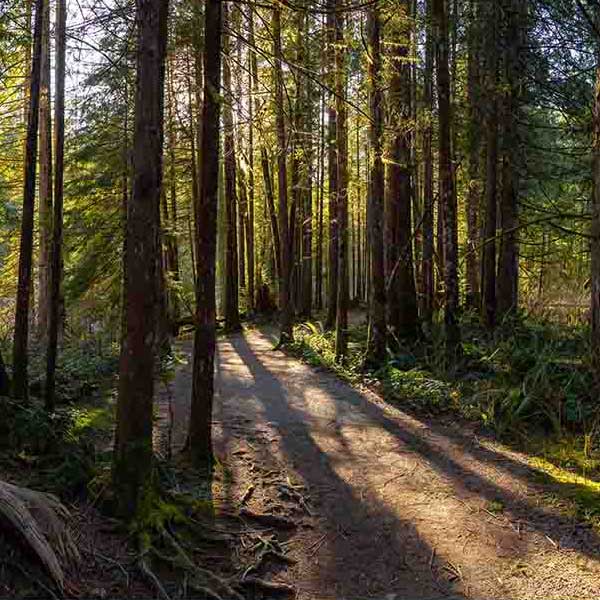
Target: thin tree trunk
[[286, 241], [251, 191], [232, 312], [447, 193], [377, 316], [488, 267], [402, 297], [132, 466], [45, 187], [21, 333], [332, 267], [59, 142], [341, 324], [473, 203], [428, 200], [200, 426]]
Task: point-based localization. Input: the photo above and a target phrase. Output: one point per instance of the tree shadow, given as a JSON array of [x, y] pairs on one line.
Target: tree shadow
[[345, 511], [348, 563]]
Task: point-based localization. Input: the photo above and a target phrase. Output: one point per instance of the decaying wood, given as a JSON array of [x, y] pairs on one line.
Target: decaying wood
[[39, 520]]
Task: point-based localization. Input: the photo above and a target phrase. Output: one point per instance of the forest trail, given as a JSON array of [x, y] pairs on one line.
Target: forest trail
[[396, 507]]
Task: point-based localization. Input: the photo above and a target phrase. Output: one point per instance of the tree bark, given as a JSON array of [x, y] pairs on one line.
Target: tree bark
[[488, 274], [200, 426], [473, 204], [447, 193], [132, 465], [332, 187], [286, 242], [232, 310], [341, 324], [21, 333], [427, 271], [402, 297], [508, 267], [377, 316], [56, 256], [45, 185]]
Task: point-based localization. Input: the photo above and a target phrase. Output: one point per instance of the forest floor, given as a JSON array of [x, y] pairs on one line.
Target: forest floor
[[388, 505], [329, 489]]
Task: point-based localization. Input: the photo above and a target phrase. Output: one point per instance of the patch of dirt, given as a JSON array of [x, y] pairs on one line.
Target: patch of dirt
[[385, 505]]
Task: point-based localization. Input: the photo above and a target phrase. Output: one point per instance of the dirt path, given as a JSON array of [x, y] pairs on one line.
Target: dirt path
[[397, 508]]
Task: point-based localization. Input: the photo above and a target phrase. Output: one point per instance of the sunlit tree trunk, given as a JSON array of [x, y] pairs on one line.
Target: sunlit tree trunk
[[377, 317], [45, 186], [200, 426], [285, 297], [132, 465], [232, 314], [595, 227], [57, 226], [21, 332], [427, 272], [332, 186], [341, 324]]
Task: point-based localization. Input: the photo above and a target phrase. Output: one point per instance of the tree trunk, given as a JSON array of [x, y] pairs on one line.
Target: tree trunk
[[251, 185], [402, 297], [427, 271], [45, 186], [473, 296], [132, 467], [341, 323], [232, 311], [200, 427], [508, 266], [21, 333], [447, 193], [332, 188], [377, 316], [286, 333], [488, 274], [59, 142]]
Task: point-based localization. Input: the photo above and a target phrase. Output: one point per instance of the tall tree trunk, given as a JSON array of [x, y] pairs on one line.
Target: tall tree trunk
[[377, 316], [251, 185], [427, 272], [595, 227], [473, 203], [488, 267], [200, 427], [59, 144], [320, 198], [286, 333], [232, 312], [447, 193], [170, 225], [341, 324], [132, 466], [402, 297], [45, 188], [508, 266], [332, 187], [306, 142], [21, 333]]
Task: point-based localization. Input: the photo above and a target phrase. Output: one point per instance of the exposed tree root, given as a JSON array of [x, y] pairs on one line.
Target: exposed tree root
[[272, 587], [39, 520]]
